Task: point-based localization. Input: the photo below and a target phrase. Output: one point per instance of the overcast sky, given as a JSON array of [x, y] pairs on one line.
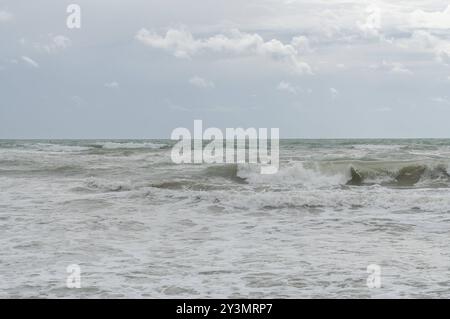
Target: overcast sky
[[140, 68]]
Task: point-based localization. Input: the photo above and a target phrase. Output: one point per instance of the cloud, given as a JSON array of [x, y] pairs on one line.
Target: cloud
[[77, 101], [422, 40], [301, 44], [431, 20], [57, 43], [396, 67], [287, 87], [334, 93], [201, 83], [440, 99], [30, 61], [383, 109], [182, 44], [372, 25], [391, 67], [112, 85], [5, 16]]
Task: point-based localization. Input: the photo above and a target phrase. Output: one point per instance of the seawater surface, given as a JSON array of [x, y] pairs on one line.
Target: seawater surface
[[139, 225]]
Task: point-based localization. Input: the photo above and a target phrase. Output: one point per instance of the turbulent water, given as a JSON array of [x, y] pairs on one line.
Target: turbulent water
[[140, 226]]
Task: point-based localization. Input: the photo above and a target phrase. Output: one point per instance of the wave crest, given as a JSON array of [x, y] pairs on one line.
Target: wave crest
[[131, 145], [348, 173]]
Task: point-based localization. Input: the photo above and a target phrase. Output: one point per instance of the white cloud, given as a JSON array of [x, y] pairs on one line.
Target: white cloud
[[77, 101], [425, 41], [30, 61], [182, 44], [301, 43], [432, 20], [383, 109], [372, 25], [5, 16], [440, 99], [112, 85], [201, 83], [178, 108], [334, 93], [391, 67], [57, 43], [396, 67], [287, 87]]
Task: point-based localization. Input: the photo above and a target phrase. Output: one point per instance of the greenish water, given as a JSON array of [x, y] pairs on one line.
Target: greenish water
[[141, 226]]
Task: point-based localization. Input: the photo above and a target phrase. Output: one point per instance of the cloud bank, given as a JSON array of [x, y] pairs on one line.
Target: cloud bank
[[182, 44]]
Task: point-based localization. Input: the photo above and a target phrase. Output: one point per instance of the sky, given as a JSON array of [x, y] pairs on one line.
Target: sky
[[141, 68]]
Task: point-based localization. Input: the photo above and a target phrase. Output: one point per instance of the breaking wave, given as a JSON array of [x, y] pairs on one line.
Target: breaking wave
[[350, 173], [79, 146], [51, 147], [401, 175], [131, 145], [230, 172], [103, 185]]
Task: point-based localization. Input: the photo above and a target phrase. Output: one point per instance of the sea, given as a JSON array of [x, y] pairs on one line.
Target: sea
[[137, 225]]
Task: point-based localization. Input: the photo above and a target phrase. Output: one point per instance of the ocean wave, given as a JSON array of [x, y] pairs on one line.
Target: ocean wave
[[229, 171], [378, 147], [351, 173], [314, 200], [295, 174], [53, 147], [80, 146], [131, 145], [104, 185], [187, 185], [402, 175]]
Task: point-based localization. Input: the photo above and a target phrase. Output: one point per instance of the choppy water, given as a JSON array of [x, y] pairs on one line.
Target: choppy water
[[140, 226]]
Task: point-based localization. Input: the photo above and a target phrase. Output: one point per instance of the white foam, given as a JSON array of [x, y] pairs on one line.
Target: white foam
[[48, 147], [295, 173], [107, 185], [297, 233], [378, 147], [131, 145]]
